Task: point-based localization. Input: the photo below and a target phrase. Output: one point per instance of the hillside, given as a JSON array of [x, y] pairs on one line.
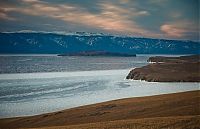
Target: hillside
[[161, 111], [32, 42]]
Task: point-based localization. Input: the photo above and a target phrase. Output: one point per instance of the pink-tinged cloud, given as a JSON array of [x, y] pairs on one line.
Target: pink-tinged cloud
[[112, 18], [179, 29], [172, 30], [4, 16]]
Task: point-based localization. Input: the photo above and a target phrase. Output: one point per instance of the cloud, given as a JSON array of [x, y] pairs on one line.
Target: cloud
[[124, 1], [4, 15], [112, 18], [175, 15], [158, 2], [172, 30], [143, 13], [179, 29], [126, 17], [31, 1]]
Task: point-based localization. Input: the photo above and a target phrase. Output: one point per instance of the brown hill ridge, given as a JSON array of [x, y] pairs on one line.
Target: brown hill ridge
[[169, 69]]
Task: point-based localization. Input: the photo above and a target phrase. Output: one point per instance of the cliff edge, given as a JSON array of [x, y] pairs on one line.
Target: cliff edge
[[169, 69]]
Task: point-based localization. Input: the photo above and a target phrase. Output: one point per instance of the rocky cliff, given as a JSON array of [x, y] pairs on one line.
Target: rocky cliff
[[169, 69]]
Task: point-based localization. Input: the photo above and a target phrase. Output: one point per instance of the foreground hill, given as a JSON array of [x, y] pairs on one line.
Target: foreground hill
[[169, 69], [178, 110], [177, 122], [40, 42]]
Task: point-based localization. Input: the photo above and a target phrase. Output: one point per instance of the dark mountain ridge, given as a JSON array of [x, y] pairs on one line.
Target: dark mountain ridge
[[54, 43]]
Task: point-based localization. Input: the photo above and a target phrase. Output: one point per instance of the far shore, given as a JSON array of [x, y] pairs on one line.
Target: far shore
[[176, 110]]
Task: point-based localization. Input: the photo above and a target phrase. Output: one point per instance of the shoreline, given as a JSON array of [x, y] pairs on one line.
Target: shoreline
[[135, 97], [38, 105], [186, 104]]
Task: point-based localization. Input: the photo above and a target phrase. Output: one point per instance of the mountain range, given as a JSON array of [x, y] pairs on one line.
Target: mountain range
[[57, 43]]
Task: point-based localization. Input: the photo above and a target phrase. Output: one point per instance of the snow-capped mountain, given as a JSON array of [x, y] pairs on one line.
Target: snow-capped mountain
[[42, 42]]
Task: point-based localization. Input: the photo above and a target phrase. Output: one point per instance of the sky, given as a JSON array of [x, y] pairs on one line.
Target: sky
[[171, 19]]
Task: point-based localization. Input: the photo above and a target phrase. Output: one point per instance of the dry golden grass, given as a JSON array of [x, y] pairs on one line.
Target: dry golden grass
[[179, 122]]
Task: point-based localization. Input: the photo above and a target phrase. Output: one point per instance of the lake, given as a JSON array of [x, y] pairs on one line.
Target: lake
[[36, 84]]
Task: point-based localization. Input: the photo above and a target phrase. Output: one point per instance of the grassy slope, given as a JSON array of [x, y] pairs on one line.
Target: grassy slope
[[175, 122], [128, 110]]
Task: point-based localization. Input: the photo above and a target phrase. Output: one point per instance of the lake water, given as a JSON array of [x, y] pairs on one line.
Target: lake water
[[36, 84]]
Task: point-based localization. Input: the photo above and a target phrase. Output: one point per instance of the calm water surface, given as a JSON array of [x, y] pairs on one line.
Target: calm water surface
[[35, 84]]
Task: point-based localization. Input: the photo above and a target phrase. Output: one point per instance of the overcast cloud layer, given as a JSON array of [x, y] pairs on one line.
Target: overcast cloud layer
[[172, 19]]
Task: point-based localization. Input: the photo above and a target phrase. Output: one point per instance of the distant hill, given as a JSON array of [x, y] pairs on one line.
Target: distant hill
[[47, 43]]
